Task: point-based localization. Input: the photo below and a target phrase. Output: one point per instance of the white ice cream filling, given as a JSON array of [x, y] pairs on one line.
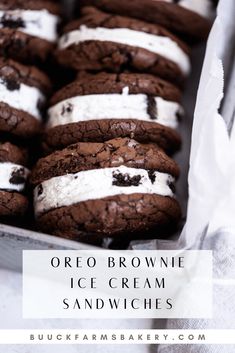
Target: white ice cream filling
[[115, 106], [13, 177], [41, 24], [202, 7], [164, 46], [96, 184], [24, 98]]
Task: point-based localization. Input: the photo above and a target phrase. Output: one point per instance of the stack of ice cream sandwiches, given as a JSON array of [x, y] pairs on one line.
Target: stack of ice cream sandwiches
[[111, 133], [28, 35]]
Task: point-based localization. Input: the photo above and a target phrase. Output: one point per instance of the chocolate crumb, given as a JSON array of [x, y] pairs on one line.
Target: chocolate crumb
[[40, 189], [172, 186], [11, 22], [41, 106], [152, 108], [17, 177], [120, 179], [11, 84], [67, 108], [152, 176]]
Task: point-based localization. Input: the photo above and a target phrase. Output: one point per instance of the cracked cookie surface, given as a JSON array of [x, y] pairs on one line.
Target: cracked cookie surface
[[114, 153], [113, 216], [13, 154], [104, 83], [12, 204], [103, 130]]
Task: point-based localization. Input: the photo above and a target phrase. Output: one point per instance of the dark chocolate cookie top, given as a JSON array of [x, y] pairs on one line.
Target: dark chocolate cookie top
[[13, 74], [179, 20], [62, 136], [105, 83], [6, 5], [114, 153], [13, 154]]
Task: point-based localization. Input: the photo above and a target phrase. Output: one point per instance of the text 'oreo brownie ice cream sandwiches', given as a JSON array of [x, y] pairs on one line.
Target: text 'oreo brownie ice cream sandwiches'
[[28, 29], [13, 177], [22, 98], [100, 41], [185, 18], [105, 188], [105, 106]]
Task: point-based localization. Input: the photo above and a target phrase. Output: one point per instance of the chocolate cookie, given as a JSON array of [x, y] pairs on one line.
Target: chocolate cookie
[[22, 98], [13, 154], [107, 106], [13, 178], [185, 18], [100, 41], [108, 189], [28, 29]]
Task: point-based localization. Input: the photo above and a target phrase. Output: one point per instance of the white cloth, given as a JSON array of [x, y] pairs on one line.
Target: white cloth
[[223, 246], [210, 221]]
